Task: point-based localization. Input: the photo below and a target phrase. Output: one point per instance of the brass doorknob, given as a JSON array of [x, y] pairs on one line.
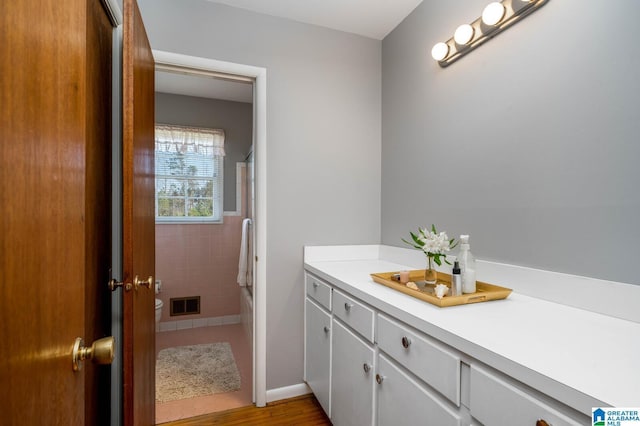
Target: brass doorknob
[[100, 352], [113, 284], [148, 283]]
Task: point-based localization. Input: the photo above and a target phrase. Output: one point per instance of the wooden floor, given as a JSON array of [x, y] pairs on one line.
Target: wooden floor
[[303, 410]]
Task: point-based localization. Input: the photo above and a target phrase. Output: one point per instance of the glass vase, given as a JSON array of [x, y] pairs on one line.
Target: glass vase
[[430, 274]]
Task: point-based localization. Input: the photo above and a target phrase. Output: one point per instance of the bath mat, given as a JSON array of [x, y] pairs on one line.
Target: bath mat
[[197, 370]]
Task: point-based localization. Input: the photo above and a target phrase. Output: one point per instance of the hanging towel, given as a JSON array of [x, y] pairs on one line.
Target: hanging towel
[[242, 261]]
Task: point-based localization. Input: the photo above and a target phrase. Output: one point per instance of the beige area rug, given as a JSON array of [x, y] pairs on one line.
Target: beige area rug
[[189, 371]]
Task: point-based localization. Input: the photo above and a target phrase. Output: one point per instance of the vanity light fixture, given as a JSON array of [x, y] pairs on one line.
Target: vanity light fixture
[[496, 17]]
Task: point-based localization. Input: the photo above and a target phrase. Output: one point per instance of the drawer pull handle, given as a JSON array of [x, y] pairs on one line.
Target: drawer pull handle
[[326, 329], [366, 367], [542, 422], [406, 342], [379, 379], [347, 306], [315, 284]]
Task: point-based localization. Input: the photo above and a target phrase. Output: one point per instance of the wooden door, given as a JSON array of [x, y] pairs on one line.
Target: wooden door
[[138, 220], [55, 130]]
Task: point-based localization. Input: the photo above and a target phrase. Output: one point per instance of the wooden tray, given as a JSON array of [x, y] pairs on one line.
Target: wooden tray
[[484, 291]]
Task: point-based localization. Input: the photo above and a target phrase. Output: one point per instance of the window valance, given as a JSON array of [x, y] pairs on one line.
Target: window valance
[[189, 140]]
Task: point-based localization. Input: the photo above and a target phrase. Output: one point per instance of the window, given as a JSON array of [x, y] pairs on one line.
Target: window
[[189, 170]]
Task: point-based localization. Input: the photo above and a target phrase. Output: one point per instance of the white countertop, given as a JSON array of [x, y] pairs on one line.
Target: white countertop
[[581, 358]]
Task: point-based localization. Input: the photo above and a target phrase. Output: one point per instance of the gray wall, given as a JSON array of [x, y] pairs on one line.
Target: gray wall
[[529, 143], [323, 131], [235, 118]]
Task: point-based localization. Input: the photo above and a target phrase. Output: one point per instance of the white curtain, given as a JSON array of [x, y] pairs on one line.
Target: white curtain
[[208, 142]]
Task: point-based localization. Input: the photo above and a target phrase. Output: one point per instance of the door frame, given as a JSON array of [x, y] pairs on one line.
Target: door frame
[[259, 75]]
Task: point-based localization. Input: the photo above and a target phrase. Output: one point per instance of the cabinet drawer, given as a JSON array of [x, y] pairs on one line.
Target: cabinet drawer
[[421, 355], [319, 291], [402, 400], [353, 313], [496, 401]]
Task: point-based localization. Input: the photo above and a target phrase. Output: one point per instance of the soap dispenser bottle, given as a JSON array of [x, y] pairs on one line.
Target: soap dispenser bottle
[[456, 280], [467, 266]]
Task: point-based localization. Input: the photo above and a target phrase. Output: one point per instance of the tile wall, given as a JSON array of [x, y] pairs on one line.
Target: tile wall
[[201, 260]]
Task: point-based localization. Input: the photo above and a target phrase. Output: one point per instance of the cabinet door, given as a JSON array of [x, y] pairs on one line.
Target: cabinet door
[[351, 378], [318, 353], [402, 400]]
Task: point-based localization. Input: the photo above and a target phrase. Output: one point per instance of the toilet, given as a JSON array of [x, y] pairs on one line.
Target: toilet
[[159, 303], [158, 310]]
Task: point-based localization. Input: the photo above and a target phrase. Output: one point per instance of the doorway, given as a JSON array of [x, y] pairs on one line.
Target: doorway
[[240, 328]]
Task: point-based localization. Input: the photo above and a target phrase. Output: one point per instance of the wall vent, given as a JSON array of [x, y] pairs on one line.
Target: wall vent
[[184, 305]]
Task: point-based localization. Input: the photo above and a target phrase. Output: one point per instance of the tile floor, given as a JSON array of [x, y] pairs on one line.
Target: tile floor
[[184, 408]]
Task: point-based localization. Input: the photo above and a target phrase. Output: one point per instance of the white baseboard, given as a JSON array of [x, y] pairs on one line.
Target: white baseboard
[[287, 392]]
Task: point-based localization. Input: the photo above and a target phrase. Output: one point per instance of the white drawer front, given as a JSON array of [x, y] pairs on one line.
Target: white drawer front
[[352, 312], [319, 291], [494, 401], [403, 401], [421, 355]]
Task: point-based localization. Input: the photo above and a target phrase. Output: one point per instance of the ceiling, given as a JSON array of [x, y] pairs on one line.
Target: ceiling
[[370, 18]]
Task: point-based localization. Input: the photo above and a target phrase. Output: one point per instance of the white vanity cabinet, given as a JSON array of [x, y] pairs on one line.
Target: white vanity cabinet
[[368, 367], [351, 378], [499, 363], [403, 378]]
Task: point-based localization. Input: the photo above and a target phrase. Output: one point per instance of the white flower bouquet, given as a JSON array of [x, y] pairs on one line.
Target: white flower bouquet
[[433, 243]]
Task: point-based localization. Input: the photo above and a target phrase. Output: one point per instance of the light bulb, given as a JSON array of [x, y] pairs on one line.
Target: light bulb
[[440, 51], [463, 34], [493, 13]]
